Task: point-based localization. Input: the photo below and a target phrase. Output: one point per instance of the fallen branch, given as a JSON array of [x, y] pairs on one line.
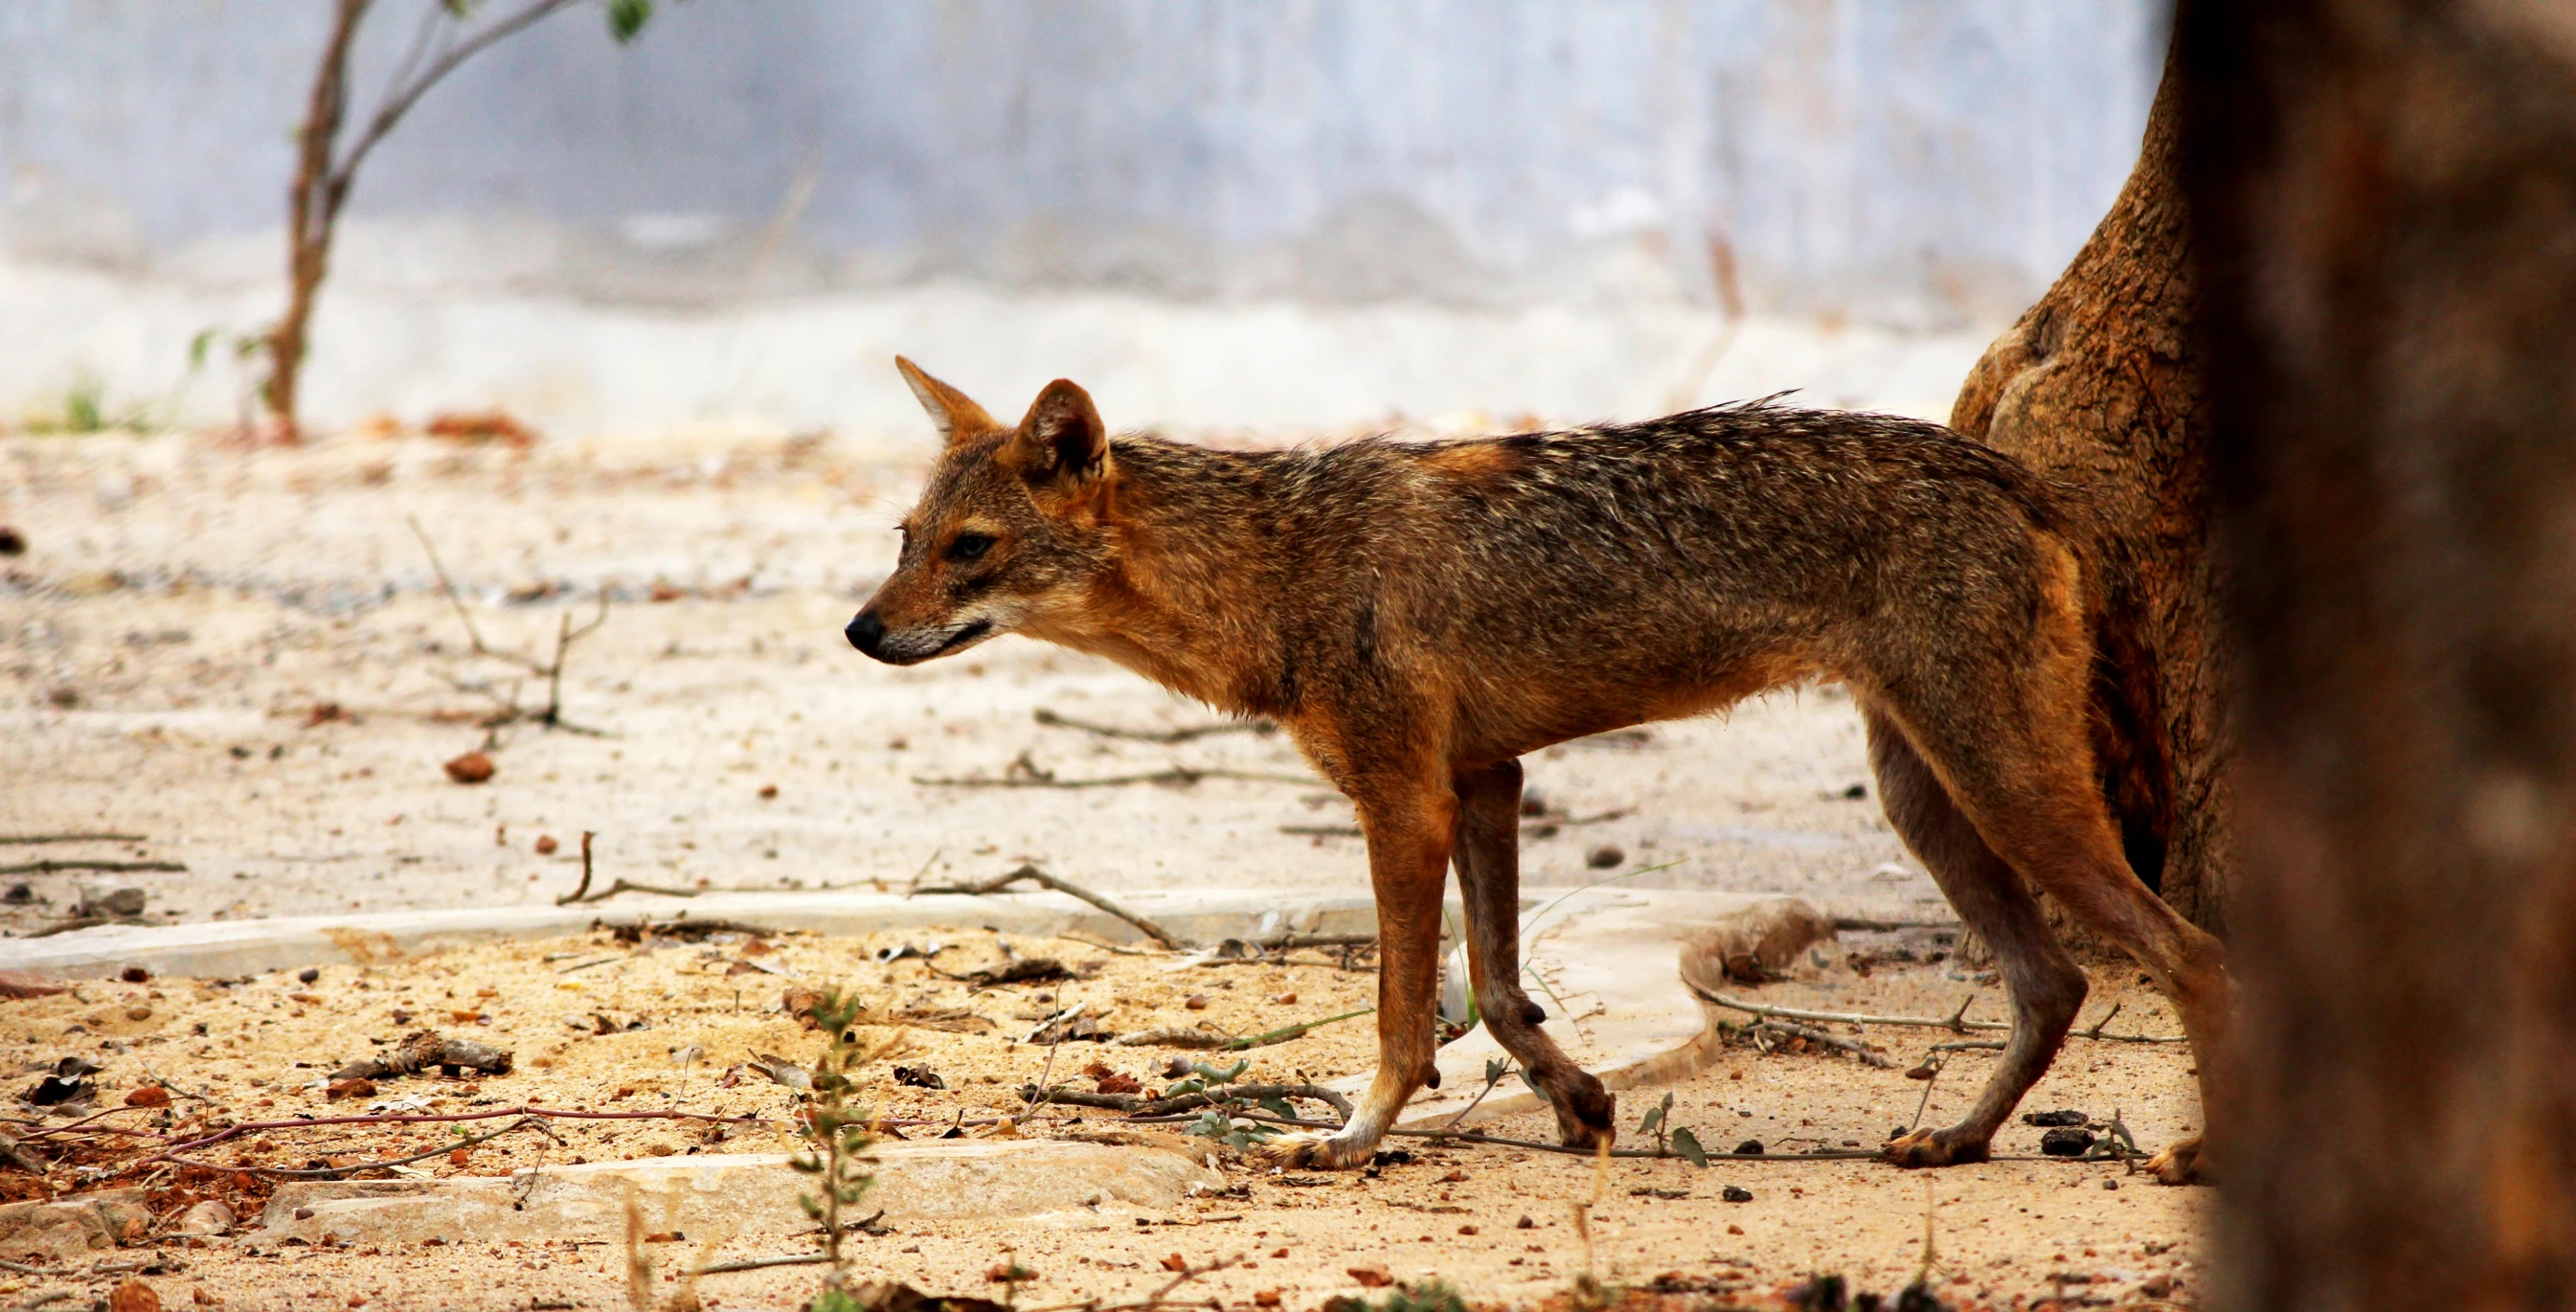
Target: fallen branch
[[342, 1172], [1866, 1054], [758, 1263], [1166, 737], [1135, 1104], [1177, 776], [623, 886], [1867, 926], [1031, 874], [19, 840], [82, 922], [1956, 1024], [1201, 1041], [122, 867]]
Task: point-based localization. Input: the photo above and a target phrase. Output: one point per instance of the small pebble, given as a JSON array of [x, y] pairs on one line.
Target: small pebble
[[2109, 1183], [1736, 1193], [1604, 856], [310, 974], [1197, 1002], [546, 845], [1285, 999], [1525, 1224]]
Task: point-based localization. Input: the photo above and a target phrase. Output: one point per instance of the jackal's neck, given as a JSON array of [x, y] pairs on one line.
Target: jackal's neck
[[1191, 595]]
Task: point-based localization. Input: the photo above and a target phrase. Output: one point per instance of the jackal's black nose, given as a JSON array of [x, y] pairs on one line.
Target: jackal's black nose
[[865, 632]]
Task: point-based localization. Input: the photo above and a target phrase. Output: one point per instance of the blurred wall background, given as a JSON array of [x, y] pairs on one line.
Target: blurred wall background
[[1296, 213]]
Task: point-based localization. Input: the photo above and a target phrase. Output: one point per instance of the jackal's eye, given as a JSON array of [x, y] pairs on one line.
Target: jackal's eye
[[969, 546]]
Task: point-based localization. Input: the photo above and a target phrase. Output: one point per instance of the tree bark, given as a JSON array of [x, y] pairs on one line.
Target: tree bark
[[2098, 387], [2386, 200], [313, 213]]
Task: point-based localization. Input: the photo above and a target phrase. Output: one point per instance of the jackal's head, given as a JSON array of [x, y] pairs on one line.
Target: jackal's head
[[1009, 527]]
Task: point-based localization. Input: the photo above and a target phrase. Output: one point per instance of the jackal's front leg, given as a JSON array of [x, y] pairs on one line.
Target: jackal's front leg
[[1408, 842]]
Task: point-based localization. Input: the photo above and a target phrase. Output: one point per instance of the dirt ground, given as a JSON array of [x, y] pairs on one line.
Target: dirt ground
[[684, 1029], [245, 659]]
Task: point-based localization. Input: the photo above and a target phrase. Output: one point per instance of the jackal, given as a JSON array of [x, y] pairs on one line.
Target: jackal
[[1419, 615]]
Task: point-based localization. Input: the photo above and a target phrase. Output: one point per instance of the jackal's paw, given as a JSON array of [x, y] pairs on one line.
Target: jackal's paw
[[1299, 1152], [1935, 1148], [1586, 1118], [2182, 1162]]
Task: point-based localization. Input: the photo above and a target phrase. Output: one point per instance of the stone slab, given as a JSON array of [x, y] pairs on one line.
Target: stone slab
[[933, 1181]]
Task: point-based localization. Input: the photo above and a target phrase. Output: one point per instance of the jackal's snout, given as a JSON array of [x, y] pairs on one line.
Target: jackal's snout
[[865, 632]]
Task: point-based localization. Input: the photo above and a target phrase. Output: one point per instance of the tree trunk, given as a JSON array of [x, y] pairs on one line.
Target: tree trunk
[[2098, 387], [2386, 197], [313, 214]]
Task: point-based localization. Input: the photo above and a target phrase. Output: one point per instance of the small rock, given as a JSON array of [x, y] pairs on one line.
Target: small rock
[[1372, 1276], [1749, 1148], [768, 791], [1265, 1298], [150, 1095], [1120, 1084], [1856, 792], [1525, 1224], [12, 542], [1176, 1262], [1533, 802], [1197, 1002], [546, 845], [1604, 856], [2069, 1141], [471, 768], [116, 904], [1286, 999], [1466, 1229], [138, 1012], [2158, 1285], [309, 975], [1736, 1193], [132, 1295], [210, 1217], [64, 698], [351, 1088], [2109, 1183], [134, 974]]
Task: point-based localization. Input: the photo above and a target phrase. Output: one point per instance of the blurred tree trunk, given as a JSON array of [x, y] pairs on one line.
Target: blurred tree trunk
[[2098, 386], [2386, 201]]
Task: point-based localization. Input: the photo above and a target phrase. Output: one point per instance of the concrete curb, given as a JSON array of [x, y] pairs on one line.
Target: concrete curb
[[220, 949]]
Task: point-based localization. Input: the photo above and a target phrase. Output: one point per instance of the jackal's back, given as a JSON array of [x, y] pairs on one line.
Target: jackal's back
[[1643, 571]]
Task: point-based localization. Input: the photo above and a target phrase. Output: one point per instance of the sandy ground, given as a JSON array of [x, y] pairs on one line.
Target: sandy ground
[[244, 658], [2011, 1233]]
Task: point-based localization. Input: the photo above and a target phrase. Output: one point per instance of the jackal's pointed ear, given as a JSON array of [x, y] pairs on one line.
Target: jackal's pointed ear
[[1061, 438], [958, 418]]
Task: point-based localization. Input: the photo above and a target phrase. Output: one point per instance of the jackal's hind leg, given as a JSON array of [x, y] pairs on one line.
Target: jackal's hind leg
[[2045, 984], [1488, 857]]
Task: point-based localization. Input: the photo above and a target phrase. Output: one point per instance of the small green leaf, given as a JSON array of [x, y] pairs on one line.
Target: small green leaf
[[1227, 1076], [1278, 1106], [1687, 1144], [626, 18], [810, 1206], [1494, 1070]]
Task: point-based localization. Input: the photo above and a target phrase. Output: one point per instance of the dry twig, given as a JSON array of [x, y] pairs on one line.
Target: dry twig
[[551, 671], [1166, 737], [20, 840], [120, 867], [1956, 1023], [1031, 874]]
